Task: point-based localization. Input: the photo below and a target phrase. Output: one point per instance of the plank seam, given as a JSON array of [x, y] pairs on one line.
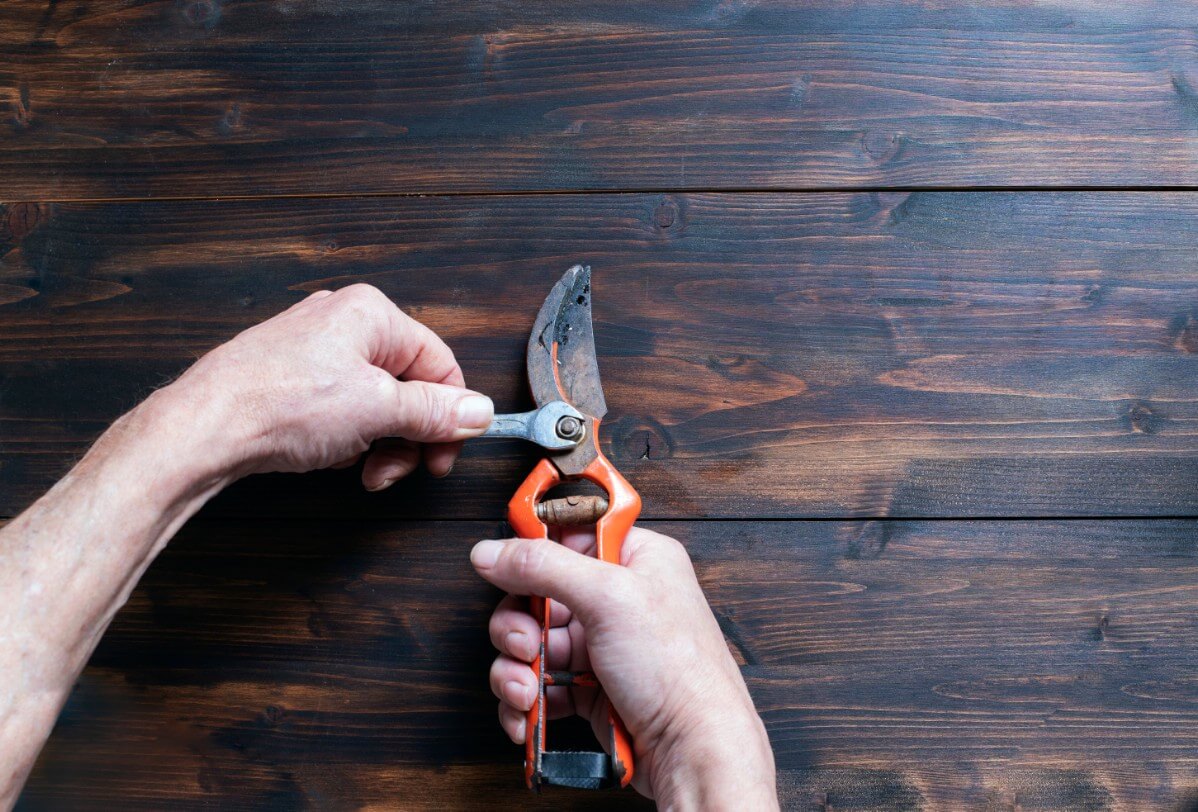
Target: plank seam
[[760, 190]]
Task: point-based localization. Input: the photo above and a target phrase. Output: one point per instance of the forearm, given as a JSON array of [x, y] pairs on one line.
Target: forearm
[[69, 562]]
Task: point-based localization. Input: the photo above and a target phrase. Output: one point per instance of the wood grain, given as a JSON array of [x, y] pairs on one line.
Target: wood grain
[[764, 356], [209, 98], [898, 665]]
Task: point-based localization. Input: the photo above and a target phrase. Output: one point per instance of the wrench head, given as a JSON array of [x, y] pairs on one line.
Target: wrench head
[[561, 350], [544, 429]]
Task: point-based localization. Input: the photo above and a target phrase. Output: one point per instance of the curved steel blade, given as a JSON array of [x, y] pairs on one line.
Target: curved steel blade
[[561, 349]]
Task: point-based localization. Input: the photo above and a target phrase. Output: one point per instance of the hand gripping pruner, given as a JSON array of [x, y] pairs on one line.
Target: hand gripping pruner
[[564, 377]]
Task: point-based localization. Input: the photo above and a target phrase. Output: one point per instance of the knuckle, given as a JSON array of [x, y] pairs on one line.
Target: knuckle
[[367, 301], [383, 387], [434, 418], [362, 293], [496, 674], [407, 322], [497, 630], [379, 398]]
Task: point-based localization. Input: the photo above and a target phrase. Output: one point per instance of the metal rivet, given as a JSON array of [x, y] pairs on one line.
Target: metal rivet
[[569, 428]]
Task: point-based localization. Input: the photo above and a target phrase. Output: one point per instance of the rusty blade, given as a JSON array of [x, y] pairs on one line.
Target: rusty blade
[[561, 349]]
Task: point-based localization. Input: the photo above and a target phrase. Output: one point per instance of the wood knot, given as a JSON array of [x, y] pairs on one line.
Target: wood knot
[[892, 204], [271, 716], [882, 145], [317, 624], [666, 214], [1187, 96], [201, 13], [635, 439], [1183, 330], [230, 122], [868, 542], [799, 90], [1140, 419], [22, 113], [21, 220]]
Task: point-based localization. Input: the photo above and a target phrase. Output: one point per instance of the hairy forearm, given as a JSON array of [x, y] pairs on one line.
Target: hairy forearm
[[69, 562]]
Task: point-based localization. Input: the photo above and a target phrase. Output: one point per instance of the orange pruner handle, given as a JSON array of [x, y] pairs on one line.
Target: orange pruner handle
[[610, 531]]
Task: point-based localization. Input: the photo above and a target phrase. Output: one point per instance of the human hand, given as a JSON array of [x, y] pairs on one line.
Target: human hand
[[647, 633], [317, 384], [310, 388]]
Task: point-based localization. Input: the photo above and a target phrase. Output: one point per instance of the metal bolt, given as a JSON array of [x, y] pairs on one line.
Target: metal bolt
[[569, 428]]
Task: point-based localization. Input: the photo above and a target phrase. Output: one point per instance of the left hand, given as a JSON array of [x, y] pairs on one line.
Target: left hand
[[648, 634]]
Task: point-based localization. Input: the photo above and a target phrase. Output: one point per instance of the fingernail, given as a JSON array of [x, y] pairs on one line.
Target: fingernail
[[382, 486], [475, 412], [444, 473], [519, 693], [485, 553], [518, 645]]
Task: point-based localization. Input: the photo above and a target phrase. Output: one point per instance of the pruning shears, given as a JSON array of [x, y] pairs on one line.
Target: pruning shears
[[564, 377]]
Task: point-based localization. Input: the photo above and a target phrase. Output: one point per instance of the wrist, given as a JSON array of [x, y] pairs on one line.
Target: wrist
[[194, 431], [721, 762], [163, 459]]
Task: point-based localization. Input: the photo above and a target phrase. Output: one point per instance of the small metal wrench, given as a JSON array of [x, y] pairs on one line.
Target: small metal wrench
[[555, 426]]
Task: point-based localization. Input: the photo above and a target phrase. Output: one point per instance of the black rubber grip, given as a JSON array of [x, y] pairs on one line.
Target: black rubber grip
[[568, 768]]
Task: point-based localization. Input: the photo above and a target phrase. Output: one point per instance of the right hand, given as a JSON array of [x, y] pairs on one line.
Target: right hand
[[647, 633], [318, 384]]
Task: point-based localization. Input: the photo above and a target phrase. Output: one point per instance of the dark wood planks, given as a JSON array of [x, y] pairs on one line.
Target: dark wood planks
[[898, 665], [932, 354], [203, 98], [765, 356]]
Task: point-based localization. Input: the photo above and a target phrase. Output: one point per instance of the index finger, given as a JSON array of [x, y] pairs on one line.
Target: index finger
[[416, 353]]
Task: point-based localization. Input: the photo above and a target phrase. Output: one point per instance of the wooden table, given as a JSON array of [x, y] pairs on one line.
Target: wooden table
[[897, 309]]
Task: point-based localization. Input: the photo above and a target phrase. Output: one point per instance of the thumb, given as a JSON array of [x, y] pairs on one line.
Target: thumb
[[436, 413], [544, 567]]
